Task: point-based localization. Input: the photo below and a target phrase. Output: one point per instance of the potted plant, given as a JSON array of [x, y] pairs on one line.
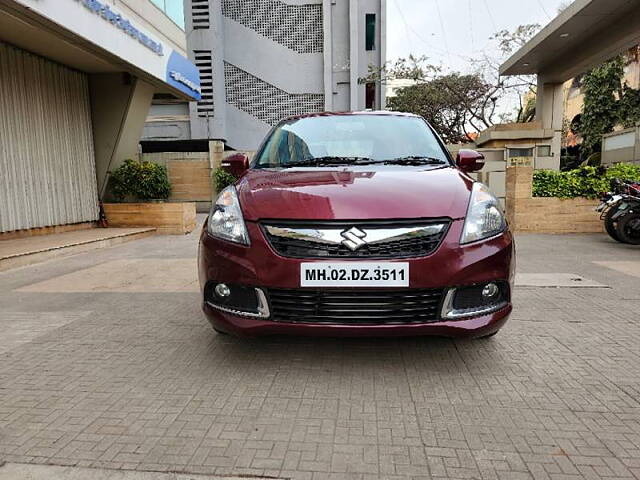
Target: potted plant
[[141, 190]]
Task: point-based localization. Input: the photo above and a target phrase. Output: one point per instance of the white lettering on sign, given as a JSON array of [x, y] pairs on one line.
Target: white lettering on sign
[[178, 77], [117, 20]]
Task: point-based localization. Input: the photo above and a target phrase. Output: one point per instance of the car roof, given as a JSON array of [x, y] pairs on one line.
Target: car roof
[[386, 113]]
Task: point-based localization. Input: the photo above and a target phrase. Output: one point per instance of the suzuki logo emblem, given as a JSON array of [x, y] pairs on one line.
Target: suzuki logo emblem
[[353, 238]]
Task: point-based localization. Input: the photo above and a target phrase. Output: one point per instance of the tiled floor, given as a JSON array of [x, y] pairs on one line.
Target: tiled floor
[[97, 371]]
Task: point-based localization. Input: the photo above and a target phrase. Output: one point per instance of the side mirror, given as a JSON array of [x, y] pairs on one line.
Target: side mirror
[[236, 164], [469, 161]]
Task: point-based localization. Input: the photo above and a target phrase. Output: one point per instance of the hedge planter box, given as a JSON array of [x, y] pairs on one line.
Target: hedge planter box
[[167, 218], [547, 214], [556, 215]]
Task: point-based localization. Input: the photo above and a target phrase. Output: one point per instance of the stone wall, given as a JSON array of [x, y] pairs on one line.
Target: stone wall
[[546, 215]]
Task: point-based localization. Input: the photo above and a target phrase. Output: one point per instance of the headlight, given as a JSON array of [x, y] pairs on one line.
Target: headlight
[[484, 217], [225, 218]]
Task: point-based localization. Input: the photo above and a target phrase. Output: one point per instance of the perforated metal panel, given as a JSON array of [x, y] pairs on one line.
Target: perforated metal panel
[[264, 101], [47, 163], [298, 27], [204, 62]]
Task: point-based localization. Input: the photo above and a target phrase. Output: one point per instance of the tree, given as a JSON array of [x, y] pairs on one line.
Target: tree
[[603, 90], [464, 102], [449, 102], [512, 40]]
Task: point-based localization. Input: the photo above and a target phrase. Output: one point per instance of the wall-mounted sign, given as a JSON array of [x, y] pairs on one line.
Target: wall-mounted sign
[[183, 75], [118, 21]]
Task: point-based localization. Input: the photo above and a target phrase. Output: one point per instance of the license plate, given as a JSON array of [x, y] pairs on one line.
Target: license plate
[[350, 274]]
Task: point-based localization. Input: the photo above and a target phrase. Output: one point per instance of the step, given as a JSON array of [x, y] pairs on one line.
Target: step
[[20, 252]]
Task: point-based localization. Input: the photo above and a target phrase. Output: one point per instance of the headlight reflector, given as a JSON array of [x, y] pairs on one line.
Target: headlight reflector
[[225, 219], [484, 216]]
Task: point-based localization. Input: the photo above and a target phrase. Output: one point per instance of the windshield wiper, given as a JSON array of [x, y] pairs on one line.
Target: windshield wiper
[[318, 161], [414, 160]]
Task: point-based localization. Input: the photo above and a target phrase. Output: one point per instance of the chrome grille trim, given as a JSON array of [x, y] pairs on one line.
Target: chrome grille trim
[[374, 239], [332, 236]]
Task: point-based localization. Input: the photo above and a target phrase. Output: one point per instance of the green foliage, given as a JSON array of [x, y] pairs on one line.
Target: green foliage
[[629, 107], [586, 181], [602, 89], [140, 181], [593, 160], [223, 179]]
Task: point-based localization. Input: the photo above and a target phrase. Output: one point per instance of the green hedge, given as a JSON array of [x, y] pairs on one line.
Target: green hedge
[[587, 182], [135, 180], [223, 179]]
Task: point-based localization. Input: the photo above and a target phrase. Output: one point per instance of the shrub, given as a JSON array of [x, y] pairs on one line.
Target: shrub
[[585, 181], [140, 181], [223, 179]]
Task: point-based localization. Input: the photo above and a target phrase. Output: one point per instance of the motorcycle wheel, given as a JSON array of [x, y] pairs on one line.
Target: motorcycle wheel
[[610, 226], [629, 228]]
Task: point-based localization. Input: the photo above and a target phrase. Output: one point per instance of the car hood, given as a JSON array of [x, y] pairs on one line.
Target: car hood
[[354, 193]]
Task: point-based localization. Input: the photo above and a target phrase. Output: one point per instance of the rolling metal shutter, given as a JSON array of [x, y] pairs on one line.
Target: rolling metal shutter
[[47, 162]]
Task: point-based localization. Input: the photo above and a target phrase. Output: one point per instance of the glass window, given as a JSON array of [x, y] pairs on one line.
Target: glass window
[[370, 21], [377, 137], [174, 9], [520, 152], [544, 151]]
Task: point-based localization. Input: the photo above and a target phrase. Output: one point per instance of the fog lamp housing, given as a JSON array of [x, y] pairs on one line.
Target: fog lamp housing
[[475, 300], [237, 299]]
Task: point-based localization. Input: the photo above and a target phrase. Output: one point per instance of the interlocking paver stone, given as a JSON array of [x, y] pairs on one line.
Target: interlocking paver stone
[[136, 379]]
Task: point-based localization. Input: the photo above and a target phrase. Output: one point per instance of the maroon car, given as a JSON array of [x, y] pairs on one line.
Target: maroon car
[[356, 224]]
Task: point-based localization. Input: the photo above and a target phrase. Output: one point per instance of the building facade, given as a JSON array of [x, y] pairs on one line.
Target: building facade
[[264, 60], [584, 35], [77, 79]]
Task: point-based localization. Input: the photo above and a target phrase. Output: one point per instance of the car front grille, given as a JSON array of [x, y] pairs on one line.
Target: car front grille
[[355, 307], [402, 246]]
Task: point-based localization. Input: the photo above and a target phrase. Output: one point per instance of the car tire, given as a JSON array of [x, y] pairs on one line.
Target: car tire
[[628, 228], [487, 337]]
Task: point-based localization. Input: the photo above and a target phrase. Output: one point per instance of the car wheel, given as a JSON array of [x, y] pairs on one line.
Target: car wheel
[[629, 228]]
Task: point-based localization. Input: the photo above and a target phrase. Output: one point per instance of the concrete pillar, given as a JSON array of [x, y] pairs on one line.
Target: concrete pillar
[[120, 104], [208, 41], [519, 186], [550, 113], [216, 156]]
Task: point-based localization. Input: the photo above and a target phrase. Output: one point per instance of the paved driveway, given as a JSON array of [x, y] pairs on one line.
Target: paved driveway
[[106, 361]]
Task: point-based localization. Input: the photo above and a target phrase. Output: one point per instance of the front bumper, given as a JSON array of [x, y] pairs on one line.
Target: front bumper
[[451, 265]]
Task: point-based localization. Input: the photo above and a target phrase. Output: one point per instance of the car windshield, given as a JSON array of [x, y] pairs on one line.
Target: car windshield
[[351, 139]]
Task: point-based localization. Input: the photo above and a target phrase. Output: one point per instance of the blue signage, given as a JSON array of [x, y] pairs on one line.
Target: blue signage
[[184, 75], [117, 20]]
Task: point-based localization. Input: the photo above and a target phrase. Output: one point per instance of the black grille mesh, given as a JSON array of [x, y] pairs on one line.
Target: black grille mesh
[[355, 307]]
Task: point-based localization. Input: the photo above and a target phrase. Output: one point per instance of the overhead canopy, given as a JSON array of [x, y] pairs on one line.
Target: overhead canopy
[[78, 37], [584, 35]]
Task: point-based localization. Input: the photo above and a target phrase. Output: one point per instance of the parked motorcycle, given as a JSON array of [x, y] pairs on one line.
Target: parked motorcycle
[[622, 203]]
